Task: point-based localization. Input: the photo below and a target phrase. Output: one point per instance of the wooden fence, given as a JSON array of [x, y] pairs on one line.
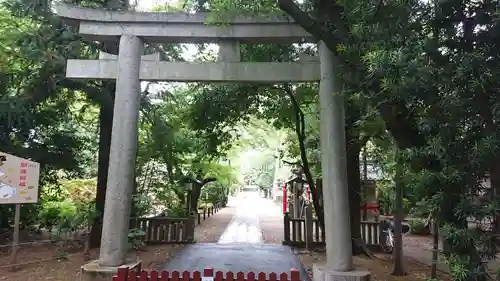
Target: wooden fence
[[167, 230], [296, 233], [204, 213], [124, 274], [302, 232]]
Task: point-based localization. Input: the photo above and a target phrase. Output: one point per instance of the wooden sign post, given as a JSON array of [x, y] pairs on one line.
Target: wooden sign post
[[18, 185], [15, 241]]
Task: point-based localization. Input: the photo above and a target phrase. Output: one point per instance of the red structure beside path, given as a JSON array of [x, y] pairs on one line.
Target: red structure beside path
[[373, 207], [284, 199], [124, 274]]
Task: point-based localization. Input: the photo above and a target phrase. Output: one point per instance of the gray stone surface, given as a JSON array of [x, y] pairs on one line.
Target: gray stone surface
[[259, 72], [70, 11], [265, 258], [334, 165], [150, 57], [229, 50], [180, 27], [93, 271], [124, 139], [322, 273], [197, 33]]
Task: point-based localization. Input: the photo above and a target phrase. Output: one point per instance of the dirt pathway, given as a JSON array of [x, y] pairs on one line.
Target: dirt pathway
[[68, 266], [271, 221], [211, 230]]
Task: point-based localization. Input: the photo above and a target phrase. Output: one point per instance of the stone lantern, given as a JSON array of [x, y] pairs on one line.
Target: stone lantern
[[188, 188]]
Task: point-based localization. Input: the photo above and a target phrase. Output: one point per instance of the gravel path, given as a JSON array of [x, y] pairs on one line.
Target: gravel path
[[210, 230], [271, 221]]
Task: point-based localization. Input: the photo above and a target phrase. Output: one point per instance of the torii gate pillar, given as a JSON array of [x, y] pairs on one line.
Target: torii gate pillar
[[122, 158], [339, 264]]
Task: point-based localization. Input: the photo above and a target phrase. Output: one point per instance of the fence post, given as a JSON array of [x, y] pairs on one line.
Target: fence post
[[383, 224], [190, 228], [286, 226], [309, 227], [86, 247], [208, 274], [199, 216], [204, 213], [294, 275], [122, 274]]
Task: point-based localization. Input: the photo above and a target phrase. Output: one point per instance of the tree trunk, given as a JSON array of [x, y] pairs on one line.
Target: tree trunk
[[354, 183], [170, 164], [196, 192], [300, 126], [364, 184], [105, 128], [435, 248], [195, 195], [398, 269]]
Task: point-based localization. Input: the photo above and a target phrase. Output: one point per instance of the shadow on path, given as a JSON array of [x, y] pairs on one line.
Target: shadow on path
[[265, 258], [240, 247]]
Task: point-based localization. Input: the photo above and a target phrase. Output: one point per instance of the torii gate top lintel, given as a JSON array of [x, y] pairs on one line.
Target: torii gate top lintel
[[105, 25], [69, 11], [165, 27]]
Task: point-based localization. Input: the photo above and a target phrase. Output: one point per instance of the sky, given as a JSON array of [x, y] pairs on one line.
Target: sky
[[147, 5], [188, 54]]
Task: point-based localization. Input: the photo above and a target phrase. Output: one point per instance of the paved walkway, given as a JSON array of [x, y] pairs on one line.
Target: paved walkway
[[240, 247], [245, 225]]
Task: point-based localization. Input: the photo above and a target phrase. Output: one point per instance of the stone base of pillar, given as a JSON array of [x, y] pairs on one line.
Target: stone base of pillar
[[92, 271], [320, 273]]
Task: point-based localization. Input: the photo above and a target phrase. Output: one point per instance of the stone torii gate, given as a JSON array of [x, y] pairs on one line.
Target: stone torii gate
[[130, 66]]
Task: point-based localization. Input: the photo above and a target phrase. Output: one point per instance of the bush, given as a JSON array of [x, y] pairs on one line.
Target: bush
[[80, 190], [205, 205], [417, 227], [56, 214], [136, 239], [175, 212], [66, 216]]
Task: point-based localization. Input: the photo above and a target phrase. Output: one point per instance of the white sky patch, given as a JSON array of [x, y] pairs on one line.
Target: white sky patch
[[147, 5], [189, 53]]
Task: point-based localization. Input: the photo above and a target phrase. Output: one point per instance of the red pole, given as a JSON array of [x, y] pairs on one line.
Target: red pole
[[284, 198]]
